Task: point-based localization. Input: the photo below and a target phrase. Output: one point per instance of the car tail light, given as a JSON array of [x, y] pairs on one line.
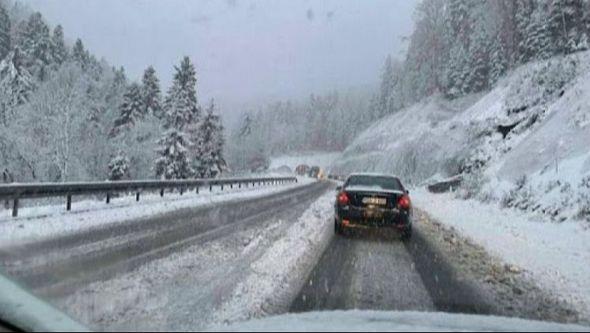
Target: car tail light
[[343, 198], [404, 202]]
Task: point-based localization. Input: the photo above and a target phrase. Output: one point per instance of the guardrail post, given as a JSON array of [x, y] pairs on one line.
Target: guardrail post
[[197, 190], [15, 208], [108, 198], [210, 187], [69, 202], [137, 196], [231, 185], [181, 190], [222, 186], [162, 192], [239, 185]]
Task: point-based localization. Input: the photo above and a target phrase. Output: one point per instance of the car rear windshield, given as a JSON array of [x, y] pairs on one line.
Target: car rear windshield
[[382, 182]]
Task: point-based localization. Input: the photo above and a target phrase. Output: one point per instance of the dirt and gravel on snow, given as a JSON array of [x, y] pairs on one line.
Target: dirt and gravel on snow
[[438, 270]]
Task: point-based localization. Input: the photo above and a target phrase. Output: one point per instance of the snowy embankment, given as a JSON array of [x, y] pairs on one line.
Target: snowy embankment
[[36, 223], [279, 274], [555, 255], [523, 143]]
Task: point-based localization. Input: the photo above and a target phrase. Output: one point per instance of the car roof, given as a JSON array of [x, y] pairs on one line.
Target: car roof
[[373, 174]]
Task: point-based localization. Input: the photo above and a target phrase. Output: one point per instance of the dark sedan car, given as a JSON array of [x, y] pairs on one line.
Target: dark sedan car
[[373, 200]]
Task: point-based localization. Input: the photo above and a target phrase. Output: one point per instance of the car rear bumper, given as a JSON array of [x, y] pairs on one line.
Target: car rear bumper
[[372, 217]]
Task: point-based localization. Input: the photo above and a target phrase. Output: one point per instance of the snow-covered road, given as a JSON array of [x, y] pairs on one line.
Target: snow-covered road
[[270, 253]]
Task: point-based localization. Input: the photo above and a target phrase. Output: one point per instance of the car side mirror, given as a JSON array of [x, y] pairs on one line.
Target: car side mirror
[[407, 191], [339, 188]]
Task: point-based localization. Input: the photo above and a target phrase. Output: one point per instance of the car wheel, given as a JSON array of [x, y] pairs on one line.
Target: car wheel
[[407, 233], [338, 228]]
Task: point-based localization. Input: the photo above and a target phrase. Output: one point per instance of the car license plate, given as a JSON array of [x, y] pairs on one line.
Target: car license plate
[[372, 214], [374, 201]]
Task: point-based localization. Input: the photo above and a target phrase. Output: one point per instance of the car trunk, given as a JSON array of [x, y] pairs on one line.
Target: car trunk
[[368, 198]]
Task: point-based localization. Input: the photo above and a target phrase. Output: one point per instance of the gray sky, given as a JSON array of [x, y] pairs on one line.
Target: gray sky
[[245, 51]]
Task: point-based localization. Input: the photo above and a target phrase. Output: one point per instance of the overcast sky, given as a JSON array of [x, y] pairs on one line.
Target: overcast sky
[[245, 51]]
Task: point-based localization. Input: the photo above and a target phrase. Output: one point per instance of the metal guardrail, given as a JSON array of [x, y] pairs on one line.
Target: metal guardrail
[[14, 192]]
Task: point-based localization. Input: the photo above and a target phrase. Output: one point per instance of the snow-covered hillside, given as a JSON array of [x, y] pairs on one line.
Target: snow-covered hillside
[[524, 143]]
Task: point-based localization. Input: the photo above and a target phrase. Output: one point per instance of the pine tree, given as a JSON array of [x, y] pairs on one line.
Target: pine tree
[[36, 45], [459, 20], [181, 101], [566, 25], [209, 161], [537, 41], [458, 71], [173, 162], [119, 166], [386, 89], [478, 77], [151, 93], [80, 55], [59, 50], [130, 111], [4, 32], [524, 11], [181, 114], [15, 84], [499, 60]]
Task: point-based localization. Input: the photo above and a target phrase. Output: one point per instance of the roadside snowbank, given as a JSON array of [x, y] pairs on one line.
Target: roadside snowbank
[[279, 274], [35, 223], [556, 255], [394, 321]]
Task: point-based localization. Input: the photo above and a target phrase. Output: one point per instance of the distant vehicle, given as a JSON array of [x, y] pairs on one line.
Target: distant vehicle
[[373, 200], [284, 169], [302, 169], [314, 171]]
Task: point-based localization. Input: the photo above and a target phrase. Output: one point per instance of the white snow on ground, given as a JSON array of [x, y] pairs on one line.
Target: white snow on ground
[[35, 223], [321, 159], [278, 275], [556, 255]]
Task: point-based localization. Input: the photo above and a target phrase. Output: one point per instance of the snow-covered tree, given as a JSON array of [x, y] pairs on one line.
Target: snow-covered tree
[[151, 93], [80, 55], [566, 24], [59, 51], [15, 84], [457, 73], [180, 105], [499, 62], [35, 42], [51, 126], [181, 114], [173, 161], [209, 161], [119, 166], [130, 111], [479, 50], [4, 32]]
